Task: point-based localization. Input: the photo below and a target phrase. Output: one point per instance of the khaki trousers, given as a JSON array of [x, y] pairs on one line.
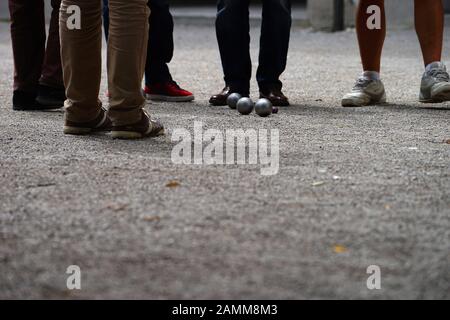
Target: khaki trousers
[[82, 63]]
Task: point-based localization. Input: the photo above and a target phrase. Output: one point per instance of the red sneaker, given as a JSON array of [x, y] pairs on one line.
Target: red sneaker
[[170, 92]]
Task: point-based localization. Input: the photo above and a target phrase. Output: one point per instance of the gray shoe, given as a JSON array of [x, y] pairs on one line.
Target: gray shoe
[[435, 86], [365, 92]]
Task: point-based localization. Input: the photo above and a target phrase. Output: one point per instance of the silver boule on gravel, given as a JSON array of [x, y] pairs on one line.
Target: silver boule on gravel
[[263, 107], [245, 106], [233, 99]]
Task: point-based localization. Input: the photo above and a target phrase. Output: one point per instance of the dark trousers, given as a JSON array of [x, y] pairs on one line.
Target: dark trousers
[[34, 62], [160, 42], [233, 35]]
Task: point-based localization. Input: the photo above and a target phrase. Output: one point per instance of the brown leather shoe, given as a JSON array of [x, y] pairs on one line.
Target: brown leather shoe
[[275, 96], [100, 124], [144, 128], [220, 99]]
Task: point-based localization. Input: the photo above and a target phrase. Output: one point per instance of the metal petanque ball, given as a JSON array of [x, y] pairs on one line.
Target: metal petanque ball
[[233, 99], [245, 106], [263, 107]]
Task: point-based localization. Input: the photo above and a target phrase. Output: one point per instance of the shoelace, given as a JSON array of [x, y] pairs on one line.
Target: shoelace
[[361, 83], [153, 123], [175, 85], [440, 74]]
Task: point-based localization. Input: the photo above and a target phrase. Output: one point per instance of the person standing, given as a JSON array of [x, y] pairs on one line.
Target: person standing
[[127, 50], [159, 84], [233, 35], [429, 20], [38, 82]]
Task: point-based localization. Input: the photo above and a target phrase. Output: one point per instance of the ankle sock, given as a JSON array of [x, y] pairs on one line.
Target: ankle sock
[[433, 65], [371, 75]]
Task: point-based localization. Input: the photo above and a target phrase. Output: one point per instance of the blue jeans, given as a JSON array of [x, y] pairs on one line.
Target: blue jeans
[[160, 43]]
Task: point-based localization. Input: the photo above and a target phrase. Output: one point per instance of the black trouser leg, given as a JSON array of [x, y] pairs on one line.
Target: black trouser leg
[[233, 35], [275, 35], [52, 70], [106, 18], [28, 40], [160, 43]]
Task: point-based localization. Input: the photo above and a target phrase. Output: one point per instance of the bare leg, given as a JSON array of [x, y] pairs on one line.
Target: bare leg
[[429, 15], [370, 41]]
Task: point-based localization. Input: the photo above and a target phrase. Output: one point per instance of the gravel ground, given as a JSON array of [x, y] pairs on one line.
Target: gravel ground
[[356, 187]]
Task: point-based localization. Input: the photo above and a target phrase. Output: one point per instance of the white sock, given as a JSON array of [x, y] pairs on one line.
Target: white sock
[[433, 65], [371, 75]]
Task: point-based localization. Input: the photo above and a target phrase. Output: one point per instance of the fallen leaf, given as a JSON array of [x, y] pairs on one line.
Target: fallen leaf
[[152, 218], [447, 141], [340, 249], [117, 207], [173, 184], [387, 207]]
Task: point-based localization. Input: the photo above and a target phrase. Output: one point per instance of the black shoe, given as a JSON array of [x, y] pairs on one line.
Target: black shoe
[[51, 98], [23, 101]]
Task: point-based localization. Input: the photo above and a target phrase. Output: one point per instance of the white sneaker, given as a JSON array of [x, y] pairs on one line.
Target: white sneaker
[[365, 92], [435, 86]]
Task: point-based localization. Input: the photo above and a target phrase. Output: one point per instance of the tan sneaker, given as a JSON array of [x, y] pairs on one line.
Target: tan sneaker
[[100, 124], [145, 128]]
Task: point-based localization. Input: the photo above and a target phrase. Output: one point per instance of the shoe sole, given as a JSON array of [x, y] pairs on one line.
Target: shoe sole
[[77, 131], [40, 108], [131, 135], [126, 135], [350, 103], [154, 97], [218, 104], [437, 98]]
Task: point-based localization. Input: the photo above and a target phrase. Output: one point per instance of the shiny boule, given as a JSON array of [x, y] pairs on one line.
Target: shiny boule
[[263, 108], [233, 99], [245, 106]]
